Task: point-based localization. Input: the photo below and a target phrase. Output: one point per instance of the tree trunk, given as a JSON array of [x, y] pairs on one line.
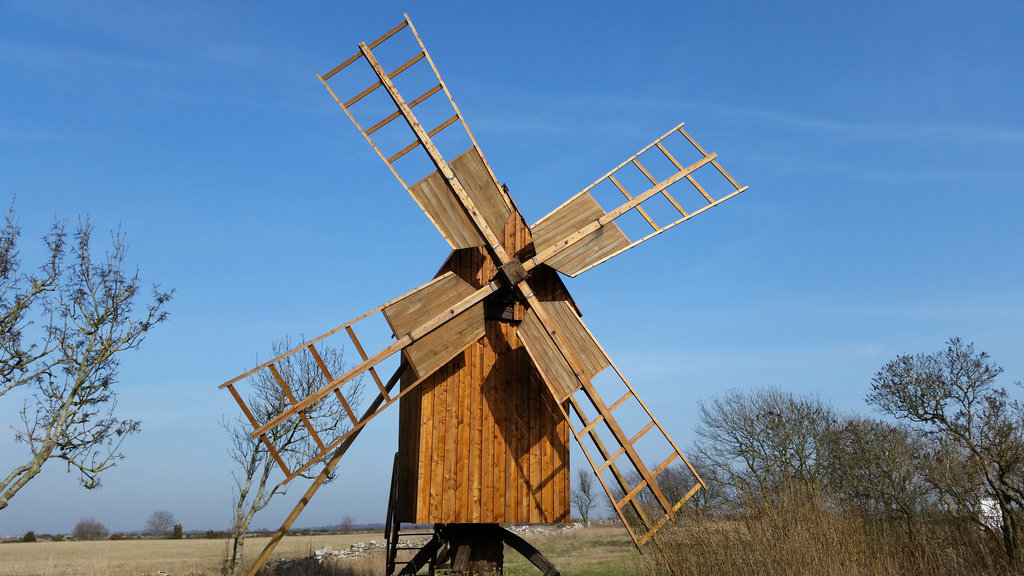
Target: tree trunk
[[235, 563]]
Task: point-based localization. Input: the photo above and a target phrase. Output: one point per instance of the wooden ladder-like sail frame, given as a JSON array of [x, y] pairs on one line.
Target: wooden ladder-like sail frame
[[439, 320]]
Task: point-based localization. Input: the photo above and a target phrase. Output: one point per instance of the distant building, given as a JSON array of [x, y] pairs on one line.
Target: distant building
[[988, 512]]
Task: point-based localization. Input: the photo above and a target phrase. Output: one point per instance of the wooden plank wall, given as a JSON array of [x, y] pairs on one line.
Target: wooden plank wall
[[482, 440]]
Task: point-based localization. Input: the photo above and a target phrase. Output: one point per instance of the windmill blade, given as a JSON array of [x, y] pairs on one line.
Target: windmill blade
[[324, 475], [569, 360], [430, 324], [462, 197], [580, 234]]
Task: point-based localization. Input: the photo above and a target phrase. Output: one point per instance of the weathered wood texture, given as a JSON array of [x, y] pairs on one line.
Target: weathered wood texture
[[481, 440], [435, 197], [550, 362], [567, 219], [438, 347]]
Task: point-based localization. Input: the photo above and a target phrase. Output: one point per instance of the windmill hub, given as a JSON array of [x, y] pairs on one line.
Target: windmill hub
[[513, 271]]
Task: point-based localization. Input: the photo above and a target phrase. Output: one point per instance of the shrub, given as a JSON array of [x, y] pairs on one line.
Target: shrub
[[29, 536], [89, 529], [176, 533], [115, 537]]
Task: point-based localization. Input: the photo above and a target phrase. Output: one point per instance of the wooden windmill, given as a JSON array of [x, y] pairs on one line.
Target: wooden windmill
[[496, 369]]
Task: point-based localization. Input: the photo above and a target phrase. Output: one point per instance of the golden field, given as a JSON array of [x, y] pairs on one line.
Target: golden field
[[592, 551]]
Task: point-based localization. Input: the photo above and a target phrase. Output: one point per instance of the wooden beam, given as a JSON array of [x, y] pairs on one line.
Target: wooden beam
[[318, 481], [421, 134]]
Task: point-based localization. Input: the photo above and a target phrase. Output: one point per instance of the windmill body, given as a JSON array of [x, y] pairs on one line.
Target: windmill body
[[492, 366], [481, 440]]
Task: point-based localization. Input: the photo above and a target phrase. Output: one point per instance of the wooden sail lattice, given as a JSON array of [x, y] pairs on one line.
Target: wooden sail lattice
[[633, 489], [433, 345], [580, 234], [572, 378], [425, 182]]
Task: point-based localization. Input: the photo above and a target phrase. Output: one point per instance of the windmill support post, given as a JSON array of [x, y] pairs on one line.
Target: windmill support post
[[474, 550]]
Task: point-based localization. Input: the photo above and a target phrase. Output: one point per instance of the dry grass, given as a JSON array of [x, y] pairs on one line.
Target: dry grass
[[593, 551], [137, 557], [794, 540], [597, 550], [799, 540]]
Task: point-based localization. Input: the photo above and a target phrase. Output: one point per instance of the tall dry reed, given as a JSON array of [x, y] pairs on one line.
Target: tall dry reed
[[797, 537]]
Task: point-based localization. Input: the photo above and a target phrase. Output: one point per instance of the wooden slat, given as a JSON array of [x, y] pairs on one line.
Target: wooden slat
[[620, 479], [363, 355], [619, 402], [390, 33], [343, 65], [437, 348], [434, 197], [582, 343], [439, 413], [592, 249], [470, 169], [636, 162], [491, 240], [632, 494], [437, 129], [639, 209], [589, 426], [569, 218], [611, 459], [414, 308], [554, 238], [391, 159], [327, 374], [450, 452], [664, 464], [556, 373], [243, 406], [463, 446], [302, 415], [366, 92], [400, 343], [485, 494], [398, 113], [406, 66]]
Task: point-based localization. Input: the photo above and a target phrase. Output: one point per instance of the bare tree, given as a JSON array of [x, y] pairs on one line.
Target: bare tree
[[89, 529], [583, 495], [764, 441], [62, 330], [160, 523], [347, 525], [952, 394], [881, 469], [257, 480]]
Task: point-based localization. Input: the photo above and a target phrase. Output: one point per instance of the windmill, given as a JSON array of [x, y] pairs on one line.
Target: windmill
[[494, 368]]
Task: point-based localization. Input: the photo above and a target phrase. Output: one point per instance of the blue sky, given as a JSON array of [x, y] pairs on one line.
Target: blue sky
[[883, 144]]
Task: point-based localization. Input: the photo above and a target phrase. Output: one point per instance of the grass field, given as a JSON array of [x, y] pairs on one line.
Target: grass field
[[594, 551]]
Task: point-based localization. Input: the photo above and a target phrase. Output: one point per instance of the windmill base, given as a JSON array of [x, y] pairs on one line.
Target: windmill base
[[473, 549]]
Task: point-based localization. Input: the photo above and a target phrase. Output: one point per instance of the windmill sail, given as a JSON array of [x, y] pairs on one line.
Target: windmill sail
[[571, 363], [434, 322], [462, 198], [579, 234]]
